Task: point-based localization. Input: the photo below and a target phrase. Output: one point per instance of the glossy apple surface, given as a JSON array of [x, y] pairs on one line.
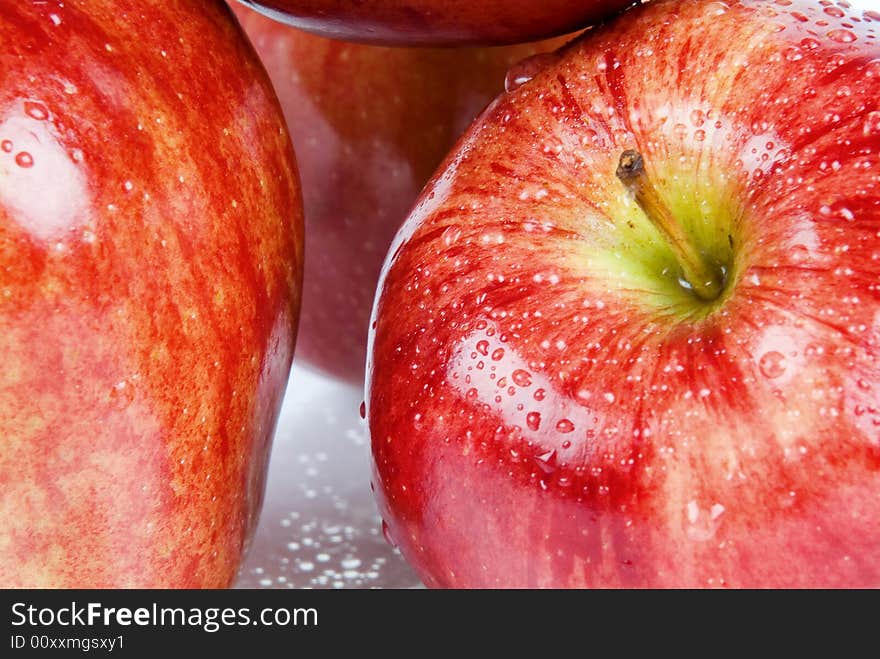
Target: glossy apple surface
[[551, 405], [150, 265], [370, 125], [439, 22]]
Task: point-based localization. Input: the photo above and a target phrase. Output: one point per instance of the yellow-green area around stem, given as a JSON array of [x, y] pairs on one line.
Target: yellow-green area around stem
[[625, 253]]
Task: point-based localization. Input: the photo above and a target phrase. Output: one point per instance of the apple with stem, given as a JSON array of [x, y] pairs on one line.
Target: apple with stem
[[439, 22], [630, 335], [150, 274], [370, 125]]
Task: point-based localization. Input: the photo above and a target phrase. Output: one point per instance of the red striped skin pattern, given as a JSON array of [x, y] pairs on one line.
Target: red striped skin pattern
[[538, 420], [150, 276]]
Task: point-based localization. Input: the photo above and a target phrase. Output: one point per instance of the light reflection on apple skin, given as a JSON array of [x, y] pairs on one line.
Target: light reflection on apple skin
[[41, 184], [733, 450], [485, 369]]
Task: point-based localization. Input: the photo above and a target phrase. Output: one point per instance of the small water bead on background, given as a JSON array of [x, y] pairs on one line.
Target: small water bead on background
[[363, 409], [6, 145]]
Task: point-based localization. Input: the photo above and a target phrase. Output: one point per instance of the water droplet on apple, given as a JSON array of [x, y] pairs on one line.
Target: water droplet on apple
[[842, 36], [451, 235], [716, 8], [772, 364], [521, 378], [6, 145], [386, 532], [700, 135], [872, 123], [497, 354], [36, 110], [539, 394], [483, 347], [523, 71], [799, 253], [564, 426], [793, 54], [837, 12], [533, 420], [472, 393], [839, 210], [24, 160], [547, 461]]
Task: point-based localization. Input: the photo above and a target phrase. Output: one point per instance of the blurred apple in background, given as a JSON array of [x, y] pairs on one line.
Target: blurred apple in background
[[370, 125], [150, 273], [630, 335], [439, 22]]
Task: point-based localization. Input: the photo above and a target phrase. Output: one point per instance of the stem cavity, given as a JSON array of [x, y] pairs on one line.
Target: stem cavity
[[701, 276]]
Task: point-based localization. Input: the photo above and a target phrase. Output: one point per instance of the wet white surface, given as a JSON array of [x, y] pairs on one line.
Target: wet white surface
[[320, 527]]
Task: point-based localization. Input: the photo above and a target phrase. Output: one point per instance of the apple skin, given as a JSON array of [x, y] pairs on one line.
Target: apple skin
[[370, 125], [548, 408], [438, 22], [150, 274]]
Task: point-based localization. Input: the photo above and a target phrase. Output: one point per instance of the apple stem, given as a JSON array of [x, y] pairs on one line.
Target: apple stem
[[701, 276]]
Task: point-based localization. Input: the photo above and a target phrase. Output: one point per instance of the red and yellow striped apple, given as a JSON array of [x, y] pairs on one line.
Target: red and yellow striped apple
[[630, 335], [150, 264], [370, 125], [439, 22]]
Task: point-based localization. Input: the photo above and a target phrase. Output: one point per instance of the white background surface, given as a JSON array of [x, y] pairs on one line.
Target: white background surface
[[320, 527]]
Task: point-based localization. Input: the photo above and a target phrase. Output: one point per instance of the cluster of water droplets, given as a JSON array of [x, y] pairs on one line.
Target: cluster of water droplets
[[320, 527]]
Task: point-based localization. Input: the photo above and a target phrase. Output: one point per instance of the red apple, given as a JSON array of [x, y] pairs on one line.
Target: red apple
[[438, 22], [666, 376], [150, 264], [370, 125]]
